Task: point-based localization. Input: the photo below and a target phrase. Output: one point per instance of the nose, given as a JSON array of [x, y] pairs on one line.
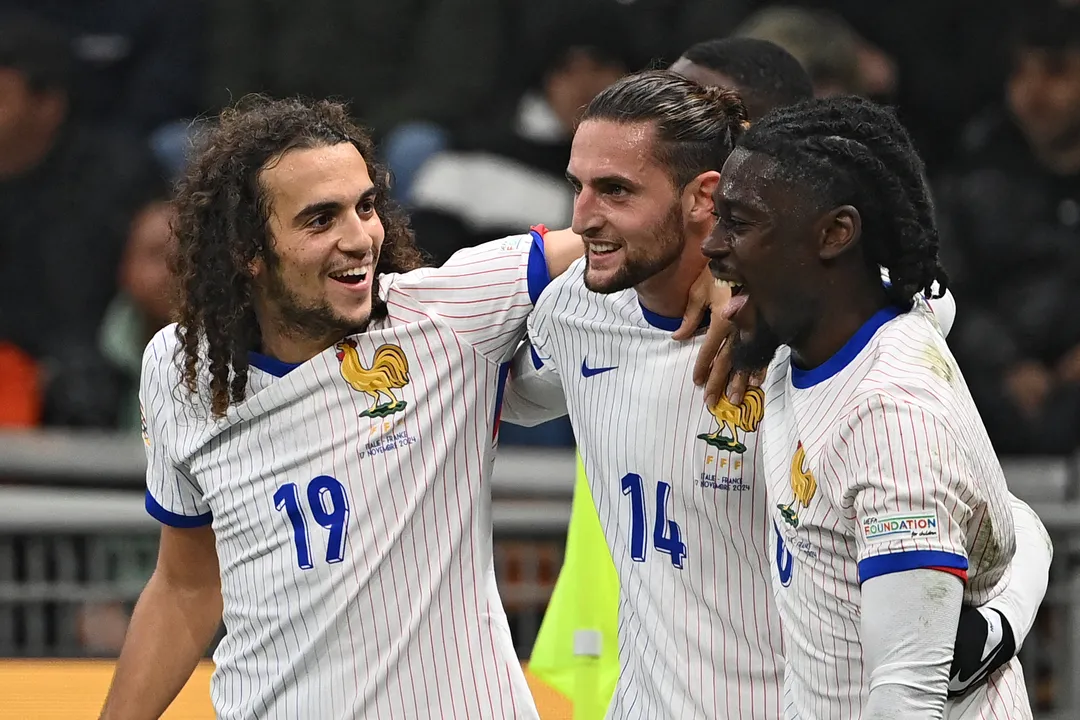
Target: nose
[[716, 245], [587, 220], [358, 234]]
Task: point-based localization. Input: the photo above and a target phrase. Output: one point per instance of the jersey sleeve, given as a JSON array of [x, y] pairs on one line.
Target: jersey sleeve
[[173, 497], [534, 393], [483, 293], [911, 486]]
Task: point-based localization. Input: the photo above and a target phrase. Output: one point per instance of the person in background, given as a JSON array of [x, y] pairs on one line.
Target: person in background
[[1015, 193], [838, 59], [507, 168], [68, 192], [145, 303]]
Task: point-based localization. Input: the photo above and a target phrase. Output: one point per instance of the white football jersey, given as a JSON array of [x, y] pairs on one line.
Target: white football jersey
[[877, 462], [350, 500], [681, 500]]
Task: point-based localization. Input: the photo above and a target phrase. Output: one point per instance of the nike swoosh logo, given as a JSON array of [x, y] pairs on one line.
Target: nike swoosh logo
[[960, 684], [587, 371]]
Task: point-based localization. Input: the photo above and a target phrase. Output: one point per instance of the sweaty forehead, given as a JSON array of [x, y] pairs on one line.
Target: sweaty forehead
[[749, 179], [604, 148], [303, 176]]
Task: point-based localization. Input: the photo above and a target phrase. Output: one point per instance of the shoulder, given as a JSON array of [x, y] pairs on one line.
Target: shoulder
[[161, 358], [911, 353], [570, 284]]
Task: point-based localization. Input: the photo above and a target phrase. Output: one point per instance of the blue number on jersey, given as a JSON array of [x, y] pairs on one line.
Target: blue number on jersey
[[329, 507], [784, 561], [667, 537]]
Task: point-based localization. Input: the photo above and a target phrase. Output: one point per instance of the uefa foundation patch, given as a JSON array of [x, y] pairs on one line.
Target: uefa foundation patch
[[901, 526]]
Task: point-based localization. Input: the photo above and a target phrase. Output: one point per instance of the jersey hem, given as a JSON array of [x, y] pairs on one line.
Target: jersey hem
[[878, 565], [172, 519]]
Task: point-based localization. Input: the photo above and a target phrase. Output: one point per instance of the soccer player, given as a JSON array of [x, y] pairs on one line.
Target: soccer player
[[319, 429], [678, 489], [888, 503]]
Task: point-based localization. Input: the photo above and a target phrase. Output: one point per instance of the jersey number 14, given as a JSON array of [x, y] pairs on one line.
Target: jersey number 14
[[667, 537], [329, 507]]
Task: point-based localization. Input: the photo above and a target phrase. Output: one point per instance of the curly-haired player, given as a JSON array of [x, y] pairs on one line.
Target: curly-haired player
[[320, 436]]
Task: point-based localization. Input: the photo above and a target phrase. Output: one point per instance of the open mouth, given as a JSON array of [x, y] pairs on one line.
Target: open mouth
[[351, 276], [602, 248], [736, 287], [738, 300]]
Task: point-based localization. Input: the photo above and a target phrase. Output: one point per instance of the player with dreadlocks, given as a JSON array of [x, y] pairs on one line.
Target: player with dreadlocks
[[882, 482]]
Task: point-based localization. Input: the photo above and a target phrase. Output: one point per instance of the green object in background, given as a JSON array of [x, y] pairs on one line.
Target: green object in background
[[576, 650]]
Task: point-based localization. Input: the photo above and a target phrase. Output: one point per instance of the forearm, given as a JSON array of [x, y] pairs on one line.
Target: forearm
[[561, 249], [1029, 572], [909, 621], [168, 635], [533, 395]]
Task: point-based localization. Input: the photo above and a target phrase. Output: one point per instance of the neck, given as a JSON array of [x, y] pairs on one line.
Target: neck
[[836, 321], [291, 349], [666, 292]]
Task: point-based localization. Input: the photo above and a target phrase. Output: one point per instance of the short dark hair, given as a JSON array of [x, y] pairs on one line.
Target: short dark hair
[[1046, 25], [221, 228], [766, 74], [851, 151], [36, 49], [696, 127]]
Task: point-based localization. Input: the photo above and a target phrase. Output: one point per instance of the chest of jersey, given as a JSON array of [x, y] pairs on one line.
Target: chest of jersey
[[355, 454], [669, 476]]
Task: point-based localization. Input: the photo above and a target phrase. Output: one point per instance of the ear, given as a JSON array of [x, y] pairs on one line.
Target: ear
[[839, 230], [257, 267], [698, 197]]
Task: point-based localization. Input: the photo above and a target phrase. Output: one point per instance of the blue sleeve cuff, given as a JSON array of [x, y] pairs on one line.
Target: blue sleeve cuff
[[537, 275], [173, 519], [872, 567]]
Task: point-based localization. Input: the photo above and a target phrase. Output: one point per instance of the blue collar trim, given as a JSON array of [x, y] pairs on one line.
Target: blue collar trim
[[803, 379], [670, 324], [273, 366]]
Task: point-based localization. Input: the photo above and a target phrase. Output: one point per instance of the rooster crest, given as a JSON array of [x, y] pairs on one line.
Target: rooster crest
[[803, 485], [389, 371], [732, 418]]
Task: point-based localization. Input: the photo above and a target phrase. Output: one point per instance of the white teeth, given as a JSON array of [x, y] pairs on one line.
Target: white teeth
[[726, 283], [603, 247], [351, 272]]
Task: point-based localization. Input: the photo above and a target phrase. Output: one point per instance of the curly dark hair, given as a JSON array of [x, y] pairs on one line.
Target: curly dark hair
[[222, 227], [851, 151]]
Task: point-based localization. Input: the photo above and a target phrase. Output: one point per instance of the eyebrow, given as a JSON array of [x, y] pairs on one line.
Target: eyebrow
[[737, 205], [604, 180], [328, 206]]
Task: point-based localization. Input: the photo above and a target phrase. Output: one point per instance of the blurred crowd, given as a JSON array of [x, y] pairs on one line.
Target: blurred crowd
[[473, 104]]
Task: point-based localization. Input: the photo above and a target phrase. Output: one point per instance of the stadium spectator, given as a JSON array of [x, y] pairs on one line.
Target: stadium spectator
[[420, 66], [137, 64], [144, 304], [508, 168], [1010, 217], [67, 196], [838, 60]]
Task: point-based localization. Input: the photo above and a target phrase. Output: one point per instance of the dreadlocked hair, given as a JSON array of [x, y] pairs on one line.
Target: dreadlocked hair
[[696, 127], [222, 227], [851, 151]]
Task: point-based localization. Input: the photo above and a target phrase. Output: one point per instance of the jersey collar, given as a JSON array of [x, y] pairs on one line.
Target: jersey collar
[[803, 379]]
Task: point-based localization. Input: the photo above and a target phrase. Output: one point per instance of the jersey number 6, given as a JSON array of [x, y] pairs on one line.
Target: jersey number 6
[[667, 537], [329, 508]]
